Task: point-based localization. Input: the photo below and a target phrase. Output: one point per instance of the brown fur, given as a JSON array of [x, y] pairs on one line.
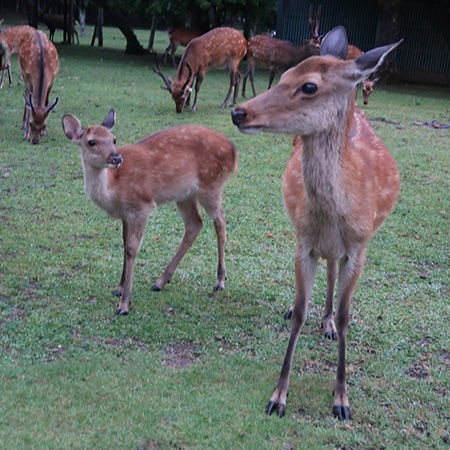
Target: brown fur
[[340, 184], [177, 37], [275, 55], [217, 48], [39, 63], [188, 165]]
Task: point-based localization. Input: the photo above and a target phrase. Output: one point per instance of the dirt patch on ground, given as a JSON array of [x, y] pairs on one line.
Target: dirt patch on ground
[[180, 355]]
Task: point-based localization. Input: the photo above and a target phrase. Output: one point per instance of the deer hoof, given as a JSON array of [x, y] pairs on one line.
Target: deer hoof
[[121, 312], [156, 288], [288, 314], [341, 412], [332, 336], [273, 406]]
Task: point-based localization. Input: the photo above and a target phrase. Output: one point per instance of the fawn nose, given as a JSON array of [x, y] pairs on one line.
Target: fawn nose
[[237, 116], [115, 159]]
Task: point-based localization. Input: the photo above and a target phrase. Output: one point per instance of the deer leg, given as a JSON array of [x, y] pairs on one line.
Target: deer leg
[[133, 231], [198, 83], [329, 328], [305, 269], [252, 78], [349, 271], [232, 83], [213, 206], [192, 219], [271, 77], [237, 80], [244, 80]]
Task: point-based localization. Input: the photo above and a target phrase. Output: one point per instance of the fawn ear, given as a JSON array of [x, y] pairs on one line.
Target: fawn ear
[[72, 128], [110, 119], [369, 62], [335, 43]]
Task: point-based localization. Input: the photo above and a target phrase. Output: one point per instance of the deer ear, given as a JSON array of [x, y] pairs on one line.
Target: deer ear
[[369, 62], [72, 128], [335, 43], [110, 119]]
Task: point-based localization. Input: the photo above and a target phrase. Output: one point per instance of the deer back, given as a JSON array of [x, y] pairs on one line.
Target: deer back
[[268, 52], [217, 48]]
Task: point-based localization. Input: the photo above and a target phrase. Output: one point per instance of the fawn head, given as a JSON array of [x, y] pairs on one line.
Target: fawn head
[[311, 96], [97, 142], [37, 118]]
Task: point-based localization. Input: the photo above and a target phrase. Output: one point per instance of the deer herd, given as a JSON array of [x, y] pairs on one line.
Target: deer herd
[[339, 186]]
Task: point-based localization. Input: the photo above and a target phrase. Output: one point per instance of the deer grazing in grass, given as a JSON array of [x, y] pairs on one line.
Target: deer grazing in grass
[[39, 64], [339, 186], [177, 37], [275, 55], [368, 84], [10, 39], [217, 48], [186, 164]]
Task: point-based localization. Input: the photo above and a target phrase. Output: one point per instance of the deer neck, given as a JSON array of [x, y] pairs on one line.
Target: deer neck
[[323, 160], [97, 186]]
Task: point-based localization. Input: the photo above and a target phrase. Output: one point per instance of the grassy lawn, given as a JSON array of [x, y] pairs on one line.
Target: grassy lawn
[[188, 369]]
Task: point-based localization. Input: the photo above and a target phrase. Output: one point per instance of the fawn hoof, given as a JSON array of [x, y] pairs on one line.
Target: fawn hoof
[[121, 312], [341, 412], [274, 406], [288, 315], [332, 336], [156, 288]]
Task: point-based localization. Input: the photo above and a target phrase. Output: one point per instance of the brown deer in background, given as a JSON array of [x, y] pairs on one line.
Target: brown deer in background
[[56, 22], [187, 164], [177, 37], [368, 84], [39, 64], [340, 185], [10, 39], [217, 48], [275, 55]]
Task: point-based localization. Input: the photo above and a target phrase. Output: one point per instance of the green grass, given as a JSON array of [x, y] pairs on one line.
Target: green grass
[[188, 369]]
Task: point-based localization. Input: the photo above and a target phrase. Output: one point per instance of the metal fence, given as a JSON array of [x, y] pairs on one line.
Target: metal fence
[[424, 55]]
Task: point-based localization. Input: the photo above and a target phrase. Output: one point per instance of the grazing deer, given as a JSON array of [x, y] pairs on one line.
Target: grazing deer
[[187, 164], [217, 48], [10, 39], [56, 22], [177, 37], [368, 84], [274, 54], [340, 185], [39, 64], [314, 37]]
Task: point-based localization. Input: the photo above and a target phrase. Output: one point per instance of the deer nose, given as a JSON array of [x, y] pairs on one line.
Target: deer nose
[[115, 159], [238, 115]]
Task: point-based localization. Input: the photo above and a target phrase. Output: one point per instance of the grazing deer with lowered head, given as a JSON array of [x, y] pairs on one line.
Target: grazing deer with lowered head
[[368, 84], [187, 164], [177, 37], [340, 185], [275, 55], [39, 64], [10, 39], [217, 48]]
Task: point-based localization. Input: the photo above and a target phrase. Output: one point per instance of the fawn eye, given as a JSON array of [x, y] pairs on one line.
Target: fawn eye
[[309, 88], [114, 141], [92, 143]]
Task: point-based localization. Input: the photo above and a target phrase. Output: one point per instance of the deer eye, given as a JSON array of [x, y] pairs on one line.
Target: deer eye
[[92, 143], [114, 141], [309, 88]]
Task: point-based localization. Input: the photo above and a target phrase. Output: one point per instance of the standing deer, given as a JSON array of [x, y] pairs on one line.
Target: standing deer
[[219, 47], [340, 185], [39, 64], [10, 39], [274, 54], [57, 22], [187, 164], [177, 37]]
